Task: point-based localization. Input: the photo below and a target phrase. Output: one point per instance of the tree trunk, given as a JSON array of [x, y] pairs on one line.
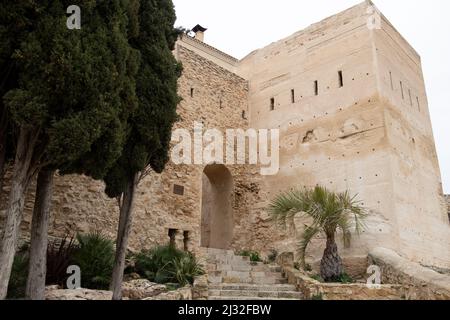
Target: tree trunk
[[331, 265], [125, 221], [35, 289], [19, 184], [2, 162], [3, 134]]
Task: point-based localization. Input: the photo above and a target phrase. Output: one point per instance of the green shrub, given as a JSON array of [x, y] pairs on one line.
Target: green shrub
[[243, 253], [18, 279], [95, 257], [153, 264], [317, 297], [317, 278], [344, 278], [185, 269], [166, 264], [254, 256], [59, 258]]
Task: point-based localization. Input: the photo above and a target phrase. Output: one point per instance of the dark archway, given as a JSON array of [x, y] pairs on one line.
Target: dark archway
[[217, 212]]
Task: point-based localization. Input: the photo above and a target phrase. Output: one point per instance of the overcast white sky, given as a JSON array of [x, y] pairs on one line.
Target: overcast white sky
[[238, 27]]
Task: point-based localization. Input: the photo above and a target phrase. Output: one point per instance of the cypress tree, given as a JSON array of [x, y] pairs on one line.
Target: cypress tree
[[74, 93], [150, 125]]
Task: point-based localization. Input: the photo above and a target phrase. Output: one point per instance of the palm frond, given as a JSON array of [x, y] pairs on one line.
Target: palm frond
[[329, 211]]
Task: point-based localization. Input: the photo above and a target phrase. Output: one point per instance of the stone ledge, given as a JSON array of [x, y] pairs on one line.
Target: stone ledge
[[311, 288], [423, 283]]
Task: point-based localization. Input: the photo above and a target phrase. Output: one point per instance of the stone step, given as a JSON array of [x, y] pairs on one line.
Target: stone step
[[252, 287], [232, 260], [260, 294], [218, 252], [246, 274], [259, 280], [242, 267], [246, 298]]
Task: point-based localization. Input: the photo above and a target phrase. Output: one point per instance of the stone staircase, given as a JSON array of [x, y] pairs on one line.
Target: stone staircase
[[232, 277]]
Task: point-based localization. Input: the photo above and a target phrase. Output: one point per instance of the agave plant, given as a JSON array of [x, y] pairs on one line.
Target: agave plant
[[330, 212]]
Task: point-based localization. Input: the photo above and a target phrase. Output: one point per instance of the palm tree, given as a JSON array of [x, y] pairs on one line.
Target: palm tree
[[329, 211]]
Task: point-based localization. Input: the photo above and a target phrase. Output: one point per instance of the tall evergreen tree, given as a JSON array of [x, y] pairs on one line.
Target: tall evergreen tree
[[11, 35], [74, 93], [150, 126]]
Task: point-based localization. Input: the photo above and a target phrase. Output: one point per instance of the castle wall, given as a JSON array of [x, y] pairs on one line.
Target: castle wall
[[423, 224], [80, 205]]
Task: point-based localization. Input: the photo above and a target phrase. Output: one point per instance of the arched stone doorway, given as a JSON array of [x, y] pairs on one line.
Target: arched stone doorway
[[217, 211]]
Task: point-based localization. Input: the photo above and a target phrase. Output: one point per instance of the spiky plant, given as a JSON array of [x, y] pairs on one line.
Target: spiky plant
[[59, 257], [95, 257], [330, 212], [185, 269]]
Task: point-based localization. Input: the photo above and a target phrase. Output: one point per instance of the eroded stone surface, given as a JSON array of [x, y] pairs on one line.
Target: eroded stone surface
[[54, 293], [141, 288]]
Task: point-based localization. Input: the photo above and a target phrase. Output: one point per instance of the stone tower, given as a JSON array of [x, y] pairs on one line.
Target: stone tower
[[348, 95]]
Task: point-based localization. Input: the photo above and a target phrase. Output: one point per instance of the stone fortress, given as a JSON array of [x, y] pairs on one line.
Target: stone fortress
[[350, 103]]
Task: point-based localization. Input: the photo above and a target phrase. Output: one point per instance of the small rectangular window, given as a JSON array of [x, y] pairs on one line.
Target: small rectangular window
[[392, 82], [341, 79], [293, 96], [192, 92], [316, 88], [418, 103], [178, 190], [410, 97], [401, 88], [272, 104]]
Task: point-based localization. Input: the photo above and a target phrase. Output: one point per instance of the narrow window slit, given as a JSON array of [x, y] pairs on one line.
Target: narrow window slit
[[341, 79], [401, 88], [392, 82]]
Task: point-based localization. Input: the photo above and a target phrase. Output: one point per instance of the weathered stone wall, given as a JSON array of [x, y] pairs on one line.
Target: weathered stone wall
[[312, 289], [80, 205], [422, 228], [359, 135], [447, 199]]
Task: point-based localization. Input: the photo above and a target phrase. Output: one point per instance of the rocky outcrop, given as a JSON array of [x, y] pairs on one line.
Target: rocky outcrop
[[141, 289], [55, 293]]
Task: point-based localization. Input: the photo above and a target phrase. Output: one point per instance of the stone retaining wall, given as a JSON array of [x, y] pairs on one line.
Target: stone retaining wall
[[422, 283], [312, 289]]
